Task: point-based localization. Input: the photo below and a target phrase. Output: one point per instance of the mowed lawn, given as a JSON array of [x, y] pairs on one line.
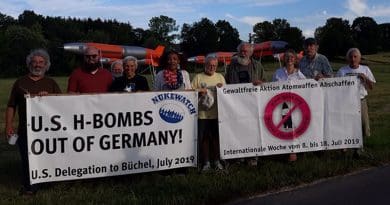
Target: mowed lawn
[[272, 173]]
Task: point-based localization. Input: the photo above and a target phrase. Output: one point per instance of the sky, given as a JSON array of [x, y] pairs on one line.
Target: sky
[[307, 15]]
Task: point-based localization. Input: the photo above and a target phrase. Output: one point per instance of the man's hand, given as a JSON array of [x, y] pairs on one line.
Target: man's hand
[[202, 91], [43, 93], [257, 82]]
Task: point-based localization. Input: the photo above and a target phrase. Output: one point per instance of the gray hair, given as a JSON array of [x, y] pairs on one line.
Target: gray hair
[[243, 43], [115, 62], [210, 58], [353, 50], [39, 52], [131, 58]]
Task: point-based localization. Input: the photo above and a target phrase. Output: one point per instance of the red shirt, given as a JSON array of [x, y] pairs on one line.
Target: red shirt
[[81, 81]]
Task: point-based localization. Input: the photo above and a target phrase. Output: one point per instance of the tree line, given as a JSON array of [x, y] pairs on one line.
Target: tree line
[[30, 30]]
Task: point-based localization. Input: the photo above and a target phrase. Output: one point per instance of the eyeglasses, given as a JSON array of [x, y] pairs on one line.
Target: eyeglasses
[[91, 56]]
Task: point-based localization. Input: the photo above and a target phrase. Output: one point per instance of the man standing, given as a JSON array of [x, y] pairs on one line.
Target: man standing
[[243, 68], [116, 69], [34, 83], [91, 78], [314, 65]]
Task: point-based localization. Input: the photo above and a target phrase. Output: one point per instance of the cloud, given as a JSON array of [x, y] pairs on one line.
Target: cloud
[[250, 20], [272, 3], [380, 11], [308, 24], [358, 7], [139, 14], [260, 3], [308, 32]]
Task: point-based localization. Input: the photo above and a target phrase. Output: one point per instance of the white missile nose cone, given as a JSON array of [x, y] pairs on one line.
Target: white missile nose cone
[[192, 59], [74, 47]]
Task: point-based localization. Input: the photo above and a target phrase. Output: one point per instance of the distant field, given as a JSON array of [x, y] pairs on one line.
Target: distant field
[[273, 173]]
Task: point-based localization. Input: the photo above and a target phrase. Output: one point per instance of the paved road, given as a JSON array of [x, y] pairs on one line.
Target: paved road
[[370, 187]]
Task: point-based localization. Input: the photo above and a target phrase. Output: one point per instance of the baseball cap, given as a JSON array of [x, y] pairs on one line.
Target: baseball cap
[[310, 41]]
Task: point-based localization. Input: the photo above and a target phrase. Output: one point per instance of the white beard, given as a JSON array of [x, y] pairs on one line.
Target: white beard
[[37, 72], [243, 60]]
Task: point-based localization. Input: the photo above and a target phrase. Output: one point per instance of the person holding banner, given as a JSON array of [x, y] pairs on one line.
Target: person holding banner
[[243, 68], [289, 72], [92, 77], [34, 83], [130, 81], [208, 133], [314, 65], [172, 77], [367, 81]]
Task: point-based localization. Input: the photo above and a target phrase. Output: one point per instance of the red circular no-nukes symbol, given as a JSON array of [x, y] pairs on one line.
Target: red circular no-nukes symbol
[[297, 103]]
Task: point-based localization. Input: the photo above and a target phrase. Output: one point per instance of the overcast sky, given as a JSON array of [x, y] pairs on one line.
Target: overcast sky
[[242, 14]]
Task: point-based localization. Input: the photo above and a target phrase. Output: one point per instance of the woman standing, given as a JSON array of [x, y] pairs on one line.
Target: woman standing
[[287, 73], [130, 81], [172, 77]]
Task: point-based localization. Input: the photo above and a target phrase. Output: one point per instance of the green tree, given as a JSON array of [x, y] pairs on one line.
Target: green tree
[[6, 21], [228, 37], [335, 38], [162, 28], [384, 30], [264, 31], [200, 38], [366, 34], [17, 42], [29, 18], [280, 27], [293, 36]]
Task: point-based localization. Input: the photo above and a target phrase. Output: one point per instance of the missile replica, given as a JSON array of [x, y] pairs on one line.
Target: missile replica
[[110, 53]]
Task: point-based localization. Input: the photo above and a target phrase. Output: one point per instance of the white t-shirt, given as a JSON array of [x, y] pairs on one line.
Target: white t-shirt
[[347, 71]]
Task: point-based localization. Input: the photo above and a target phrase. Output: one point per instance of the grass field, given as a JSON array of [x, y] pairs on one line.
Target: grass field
[[273, 173]]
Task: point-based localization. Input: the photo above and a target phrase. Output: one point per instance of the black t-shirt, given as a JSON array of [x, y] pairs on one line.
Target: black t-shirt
[[243, 76], [123, 84]]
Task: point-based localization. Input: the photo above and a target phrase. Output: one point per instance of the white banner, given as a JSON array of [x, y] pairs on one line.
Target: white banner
[[88, 136], [287, 117]]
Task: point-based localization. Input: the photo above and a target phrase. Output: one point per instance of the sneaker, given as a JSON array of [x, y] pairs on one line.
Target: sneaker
[[361, 154], [252, 162], [292, 157], [218, 165], [206, 167], [27, 192]]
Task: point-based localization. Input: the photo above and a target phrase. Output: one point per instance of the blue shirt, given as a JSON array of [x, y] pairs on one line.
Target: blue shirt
[[319, 65]]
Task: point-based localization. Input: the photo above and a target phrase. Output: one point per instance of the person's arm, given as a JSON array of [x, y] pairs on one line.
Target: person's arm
[[145, 85], [327, 70], [368, 84], [157, 84], [259, 72], [228, 74], [186, 80], [9, 118]]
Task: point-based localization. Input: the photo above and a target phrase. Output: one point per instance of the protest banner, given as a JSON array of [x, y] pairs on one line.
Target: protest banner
[[289, 117], [87, 136]]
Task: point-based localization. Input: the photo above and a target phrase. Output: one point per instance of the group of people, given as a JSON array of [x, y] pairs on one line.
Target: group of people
[[91, 77]]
